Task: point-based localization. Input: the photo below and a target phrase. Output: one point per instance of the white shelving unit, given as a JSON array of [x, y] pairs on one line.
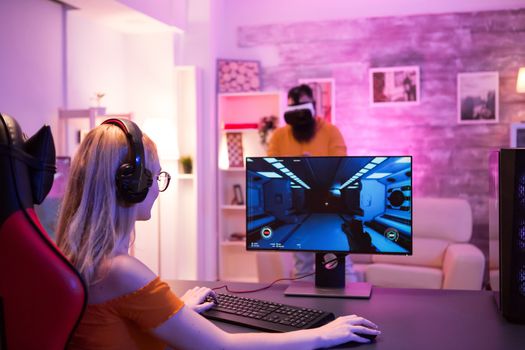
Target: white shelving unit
[[185, 234], [239, 112]]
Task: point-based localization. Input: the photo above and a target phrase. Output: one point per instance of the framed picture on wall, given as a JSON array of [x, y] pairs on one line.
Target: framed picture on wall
[[478, 100], [394, 86], [324, 95], [238, 75]]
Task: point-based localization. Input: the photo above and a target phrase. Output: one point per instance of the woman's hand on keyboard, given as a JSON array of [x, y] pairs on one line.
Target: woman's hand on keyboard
[[345, 329], [195, 298]]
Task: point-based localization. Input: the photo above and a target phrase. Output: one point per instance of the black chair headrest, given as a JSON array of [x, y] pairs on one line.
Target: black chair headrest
[[26, 160]]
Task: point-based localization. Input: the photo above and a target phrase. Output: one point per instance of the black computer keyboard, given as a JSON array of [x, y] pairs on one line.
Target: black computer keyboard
[[265, 315]]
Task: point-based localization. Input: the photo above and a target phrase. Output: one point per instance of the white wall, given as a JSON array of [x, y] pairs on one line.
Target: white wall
[[133, 70], [31, 66], [95, 63], [149, 83], [198, 46]]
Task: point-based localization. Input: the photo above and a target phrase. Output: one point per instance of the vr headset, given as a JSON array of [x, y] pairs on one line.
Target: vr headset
[[300, 115]]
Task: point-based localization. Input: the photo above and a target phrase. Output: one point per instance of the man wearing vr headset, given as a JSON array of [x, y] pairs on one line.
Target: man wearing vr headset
[[307, 135]]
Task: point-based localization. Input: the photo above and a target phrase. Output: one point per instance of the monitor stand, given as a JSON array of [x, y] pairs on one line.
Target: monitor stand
[[330, 280]]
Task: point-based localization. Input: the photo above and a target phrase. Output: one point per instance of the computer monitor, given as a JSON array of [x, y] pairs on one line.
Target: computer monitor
[[332, 206]]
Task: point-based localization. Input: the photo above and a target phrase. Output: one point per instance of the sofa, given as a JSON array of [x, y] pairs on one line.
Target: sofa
[[442, 255]]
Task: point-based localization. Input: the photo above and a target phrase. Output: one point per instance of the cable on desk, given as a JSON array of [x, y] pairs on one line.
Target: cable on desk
[[271, 284], [262, 288]]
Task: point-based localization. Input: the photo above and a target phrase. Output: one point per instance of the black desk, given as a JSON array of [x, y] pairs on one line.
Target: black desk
[[422, 319]]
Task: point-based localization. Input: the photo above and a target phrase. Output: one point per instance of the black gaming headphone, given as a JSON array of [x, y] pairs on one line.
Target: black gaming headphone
[[133, 180]]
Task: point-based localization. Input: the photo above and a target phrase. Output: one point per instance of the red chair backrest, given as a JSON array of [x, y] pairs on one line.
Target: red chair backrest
[[42, 297]]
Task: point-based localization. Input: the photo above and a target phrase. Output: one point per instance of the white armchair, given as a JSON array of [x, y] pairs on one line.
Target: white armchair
[[442, 256]]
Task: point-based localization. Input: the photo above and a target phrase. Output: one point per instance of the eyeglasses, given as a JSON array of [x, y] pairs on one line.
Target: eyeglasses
[[163, 179]]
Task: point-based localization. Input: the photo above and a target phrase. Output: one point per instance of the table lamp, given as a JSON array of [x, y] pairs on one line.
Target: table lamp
[[517, 130], [520, 83]]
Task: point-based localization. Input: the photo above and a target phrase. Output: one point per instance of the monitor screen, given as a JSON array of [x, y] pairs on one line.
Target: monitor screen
[[330, 204]]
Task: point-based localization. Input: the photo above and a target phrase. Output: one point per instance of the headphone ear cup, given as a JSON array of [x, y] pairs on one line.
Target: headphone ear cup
[[125, 184], [138, 197], [128, 186]]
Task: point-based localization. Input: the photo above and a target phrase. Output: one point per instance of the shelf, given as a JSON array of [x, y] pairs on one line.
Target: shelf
[[233, 207], [233, 243], [248, 94], [234, 169]]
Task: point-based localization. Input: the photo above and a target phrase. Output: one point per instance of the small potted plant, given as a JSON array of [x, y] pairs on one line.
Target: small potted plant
[[187, 164], [266, 126]]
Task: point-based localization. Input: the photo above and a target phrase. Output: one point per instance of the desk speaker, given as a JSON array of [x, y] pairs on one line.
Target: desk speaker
[[512, 233]]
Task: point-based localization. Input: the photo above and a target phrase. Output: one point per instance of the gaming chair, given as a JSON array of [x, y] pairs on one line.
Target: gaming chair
[[42, 297]]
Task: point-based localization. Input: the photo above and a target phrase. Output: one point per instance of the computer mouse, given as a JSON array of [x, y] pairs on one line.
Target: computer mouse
[[370, 337], [353, 344]]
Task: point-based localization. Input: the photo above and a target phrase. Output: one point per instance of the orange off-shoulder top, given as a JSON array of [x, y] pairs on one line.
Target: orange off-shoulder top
[[123, 322]]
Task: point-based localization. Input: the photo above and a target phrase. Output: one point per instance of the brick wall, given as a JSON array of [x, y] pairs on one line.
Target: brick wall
[[450, 159]]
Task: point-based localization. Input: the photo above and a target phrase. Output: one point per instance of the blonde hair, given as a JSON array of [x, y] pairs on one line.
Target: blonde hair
[[92, 221]]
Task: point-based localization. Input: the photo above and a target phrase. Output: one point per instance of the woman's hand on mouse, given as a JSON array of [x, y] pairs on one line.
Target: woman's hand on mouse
[[345, 329]]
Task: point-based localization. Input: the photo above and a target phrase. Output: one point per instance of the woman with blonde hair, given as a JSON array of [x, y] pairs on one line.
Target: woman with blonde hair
[[115, 178]]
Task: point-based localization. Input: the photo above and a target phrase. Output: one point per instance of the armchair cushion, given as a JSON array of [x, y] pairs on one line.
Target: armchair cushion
[[427, 252], [494, 254], [403, 276], [494, 279], [463, 267], [445, 218]]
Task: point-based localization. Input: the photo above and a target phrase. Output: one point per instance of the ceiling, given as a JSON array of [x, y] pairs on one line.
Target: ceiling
[[118, 16]]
